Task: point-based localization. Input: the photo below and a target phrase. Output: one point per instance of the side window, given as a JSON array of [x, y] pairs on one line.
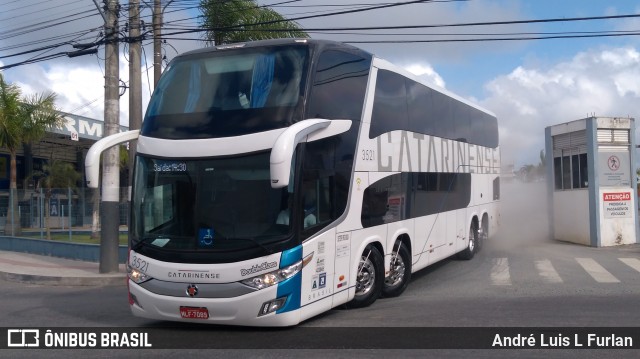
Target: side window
[[442, 112], [389, 105], [422, 119], [320, 202], [462, 122], [570, 170], [403, 104], [386, 200], [339, 86]]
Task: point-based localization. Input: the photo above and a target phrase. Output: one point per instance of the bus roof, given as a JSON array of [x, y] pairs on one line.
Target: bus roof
[[317, 43]]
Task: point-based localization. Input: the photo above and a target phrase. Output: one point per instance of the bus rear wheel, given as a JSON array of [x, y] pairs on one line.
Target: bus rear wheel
[[369, 279], [483, 234], [472, 246], [400, 271]]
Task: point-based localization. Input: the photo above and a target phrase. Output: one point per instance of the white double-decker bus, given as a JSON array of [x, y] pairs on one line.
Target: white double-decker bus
[[276, 180]]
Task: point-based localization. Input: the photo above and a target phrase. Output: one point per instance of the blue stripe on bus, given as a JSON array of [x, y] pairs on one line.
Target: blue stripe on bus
[[291, 287], [290, 256]]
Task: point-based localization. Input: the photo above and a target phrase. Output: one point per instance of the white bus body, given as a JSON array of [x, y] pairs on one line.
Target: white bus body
[[268, 213]]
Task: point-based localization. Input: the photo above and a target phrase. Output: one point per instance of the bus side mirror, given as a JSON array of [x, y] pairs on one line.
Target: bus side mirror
[[92, 161], [283, 149]]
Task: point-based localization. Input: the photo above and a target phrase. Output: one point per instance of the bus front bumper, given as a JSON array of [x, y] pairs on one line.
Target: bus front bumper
[[242, 310]]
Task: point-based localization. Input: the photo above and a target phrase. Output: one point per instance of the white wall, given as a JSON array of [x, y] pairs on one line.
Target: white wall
[[571, 216]]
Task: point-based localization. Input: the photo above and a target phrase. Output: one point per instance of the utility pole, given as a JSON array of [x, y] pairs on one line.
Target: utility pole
[[157, 46], [135, 81], [109, 241]]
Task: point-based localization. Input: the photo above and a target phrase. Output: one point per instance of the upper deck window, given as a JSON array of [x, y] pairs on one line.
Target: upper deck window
[[339, 86], [227, 93]]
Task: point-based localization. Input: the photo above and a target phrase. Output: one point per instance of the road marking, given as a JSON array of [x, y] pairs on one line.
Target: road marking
[[631, 262], [500, 272], [597, 271], [547, 272]]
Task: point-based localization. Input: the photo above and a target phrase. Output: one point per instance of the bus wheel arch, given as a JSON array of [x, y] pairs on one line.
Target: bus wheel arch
[[369, 277], [399, 268]]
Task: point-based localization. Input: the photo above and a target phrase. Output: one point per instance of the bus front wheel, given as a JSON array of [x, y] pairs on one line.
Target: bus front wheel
[[369, 279]]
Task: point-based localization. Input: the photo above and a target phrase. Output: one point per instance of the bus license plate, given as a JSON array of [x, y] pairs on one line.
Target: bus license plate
[[194, 313]]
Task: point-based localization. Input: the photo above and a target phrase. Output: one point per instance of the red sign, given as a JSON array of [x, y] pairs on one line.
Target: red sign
[[619, 196]]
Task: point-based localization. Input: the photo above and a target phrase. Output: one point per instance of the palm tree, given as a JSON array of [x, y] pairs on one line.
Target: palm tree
[[231, 21], [23, 120], [56, 174]]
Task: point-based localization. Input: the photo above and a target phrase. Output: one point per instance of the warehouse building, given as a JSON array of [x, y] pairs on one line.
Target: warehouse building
[[68, 143]]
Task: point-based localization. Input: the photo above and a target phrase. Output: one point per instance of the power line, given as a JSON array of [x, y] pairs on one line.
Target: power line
[[632, 33], [498, 36]]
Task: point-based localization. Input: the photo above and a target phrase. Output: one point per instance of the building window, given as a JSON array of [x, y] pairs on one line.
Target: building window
[[571, 170]]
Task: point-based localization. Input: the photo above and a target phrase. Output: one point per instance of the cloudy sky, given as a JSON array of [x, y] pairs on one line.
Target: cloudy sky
[[529, 84]]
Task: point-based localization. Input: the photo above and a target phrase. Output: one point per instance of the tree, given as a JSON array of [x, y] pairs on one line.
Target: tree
[[56, 174], [23, 120], [229, 21]]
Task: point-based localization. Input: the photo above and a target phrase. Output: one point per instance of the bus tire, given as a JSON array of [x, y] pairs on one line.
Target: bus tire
[[400, 271], [472, 246], [369, 279], [483, 235]]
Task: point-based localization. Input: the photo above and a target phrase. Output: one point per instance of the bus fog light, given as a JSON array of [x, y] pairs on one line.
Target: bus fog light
[[271, 306]]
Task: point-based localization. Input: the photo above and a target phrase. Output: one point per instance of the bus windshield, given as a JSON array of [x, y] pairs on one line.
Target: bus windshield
[[217, 205], [227, 93]]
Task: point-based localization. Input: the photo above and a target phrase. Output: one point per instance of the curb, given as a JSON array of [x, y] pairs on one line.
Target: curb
[[106, 280]]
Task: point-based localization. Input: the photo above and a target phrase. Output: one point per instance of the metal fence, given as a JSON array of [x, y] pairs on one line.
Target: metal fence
[[68, 210]]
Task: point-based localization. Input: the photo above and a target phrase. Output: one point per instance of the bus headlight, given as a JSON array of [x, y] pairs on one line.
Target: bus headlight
[[268, 279], [137, 276]]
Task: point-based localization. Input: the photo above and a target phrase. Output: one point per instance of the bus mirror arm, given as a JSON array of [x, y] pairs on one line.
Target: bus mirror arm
[[92, 161], [282, 152]]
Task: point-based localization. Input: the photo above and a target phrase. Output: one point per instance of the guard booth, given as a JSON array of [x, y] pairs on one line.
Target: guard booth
[[591, 181]]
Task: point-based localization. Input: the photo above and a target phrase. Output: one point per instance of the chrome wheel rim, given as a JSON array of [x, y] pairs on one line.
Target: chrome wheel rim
[[366, 276], [472, 240], [397, 271], [484, 232]]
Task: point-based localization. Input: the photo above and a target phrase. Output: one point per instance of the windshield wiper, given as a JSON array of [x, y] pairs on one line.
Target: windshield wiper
[[248, 239], [147, 240], [140, 243]]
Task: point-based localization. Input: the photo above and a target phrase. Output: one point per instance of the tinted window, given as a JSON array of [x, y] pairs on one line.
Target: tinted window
[[440, 192], [462, 121], [385, 201], [228, 93], [566, 172], [339, 86], [411, 194], [422, 117], [390, 104], [211, 210], [326, 176], [496, 189], [428, 112], [442, 115], [584, 171]]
